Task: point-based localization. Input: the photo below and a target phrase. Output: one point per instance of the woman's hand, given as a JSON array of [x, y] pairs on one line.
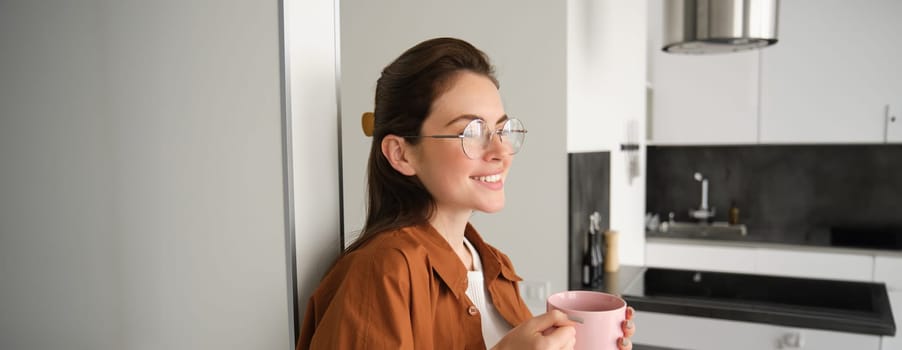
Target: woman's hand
[[629, 328], [551, 330]]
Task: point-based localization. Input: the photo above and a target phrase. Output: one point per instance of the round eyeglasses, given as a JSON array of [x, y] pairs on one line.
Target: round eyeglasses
[[477, 137]]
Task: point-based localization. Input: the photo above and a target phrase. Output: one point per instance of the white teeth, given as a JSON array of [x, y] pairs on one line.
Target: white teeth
[[490, 178]]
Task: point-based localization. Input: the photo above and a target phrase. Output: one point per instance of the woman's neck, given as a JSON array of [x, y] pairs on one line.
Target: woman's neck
[[452, 227]]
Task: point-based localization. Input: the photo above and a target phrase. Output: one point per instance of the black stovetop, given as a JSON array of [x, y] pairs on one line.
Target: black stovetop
[[858, 307]]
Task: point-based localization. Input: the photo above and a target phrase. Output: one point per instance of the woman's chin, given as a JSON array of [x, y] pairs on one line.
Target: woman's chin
[[491, 209]]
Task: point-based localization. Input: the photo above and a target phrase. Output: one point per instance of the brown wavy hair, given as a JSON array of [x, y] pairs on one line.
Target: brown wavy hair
[[404, 95]]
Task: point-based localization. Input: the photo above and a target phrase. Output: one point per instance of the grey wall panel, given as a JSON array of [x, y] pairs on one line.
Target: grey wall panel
[[142, 199]]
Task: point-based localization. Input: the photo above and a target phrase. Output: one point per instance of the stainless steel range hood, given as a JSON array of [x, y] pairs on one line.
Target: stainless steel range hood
[[719, 26]]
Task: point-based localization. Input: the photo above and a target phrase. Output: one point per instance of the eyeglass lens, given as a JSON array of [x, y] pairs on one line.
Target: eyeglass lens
[[477, 137]]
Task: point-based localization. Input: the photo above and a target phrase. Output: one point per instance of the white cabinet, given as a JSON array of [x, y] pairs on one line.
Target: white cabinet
[[894, 343], [709, 99], [809, 264], [699, 257], [833, 77], [833, 72], [888, 269], [698, 333]]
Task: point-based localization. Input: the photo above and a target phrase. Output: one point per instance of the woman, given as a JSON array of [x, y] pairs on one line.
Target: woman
[[419, 276]]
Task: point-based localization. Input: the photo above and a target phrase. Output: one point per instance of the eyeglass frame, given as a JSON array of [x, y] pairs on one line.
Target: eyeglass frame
[[491, 134]]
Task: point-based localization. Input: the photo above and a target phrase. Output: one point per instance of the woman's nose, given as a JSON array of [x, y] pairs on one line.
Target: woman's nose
[[495, 148]]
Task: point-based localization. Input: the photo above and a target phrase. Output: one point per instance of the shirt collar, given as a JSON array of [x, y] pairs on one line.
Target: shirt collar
[[448, 267], [494, 263]]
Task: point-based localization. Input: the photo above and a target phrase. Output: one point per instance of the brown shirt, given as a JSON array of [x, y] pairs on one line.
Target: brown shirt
[[405, 289]]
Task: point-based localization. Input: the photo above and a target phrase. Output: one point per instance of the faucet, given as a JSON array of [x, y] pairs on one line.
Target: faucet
[[703, 213]]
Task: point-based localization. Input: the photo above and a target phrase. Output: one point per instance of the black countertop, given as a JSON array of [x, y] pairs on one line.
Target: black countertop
[[856, 307]]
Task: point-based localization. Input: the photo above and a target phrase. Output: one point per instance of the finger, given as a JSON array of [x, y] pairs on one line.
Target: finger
[[629, 328], [629, 312], [553, 318], [624, 344], [570, 344], [562, 336], [547, 331]]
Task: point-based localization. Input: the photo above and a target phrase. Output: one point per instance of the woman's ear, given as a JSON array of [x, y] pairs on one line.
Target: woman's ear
[[398, 152]]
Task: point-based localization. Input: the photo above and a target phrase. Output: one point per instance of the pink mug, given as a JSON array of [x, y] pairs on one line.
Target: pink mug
[[599, 315]]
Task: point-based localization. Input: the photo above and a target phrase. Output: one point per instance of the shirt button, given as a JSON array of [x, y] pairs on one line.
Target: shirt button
[[472, 310]]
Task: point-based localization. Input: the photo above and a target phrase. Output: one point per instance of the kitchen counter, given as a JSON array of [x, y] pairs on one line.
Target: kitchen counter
[[650, 347], [856, 307], [815, 243]]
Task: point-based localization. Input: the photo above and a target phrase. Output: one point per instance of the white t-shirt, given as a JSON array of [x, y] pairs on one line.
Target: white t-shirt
[[494, 327]]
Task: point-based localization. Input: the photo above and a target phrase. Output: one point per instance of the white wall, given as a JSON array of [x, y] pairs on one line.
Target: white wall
[[311, 44], [141, 194], [606, 80], [527, 43]]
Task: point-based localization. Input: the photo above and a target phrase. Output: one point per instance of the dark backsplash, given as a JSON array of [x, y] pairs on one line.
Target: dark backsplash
[[590, 191], [785, 191]]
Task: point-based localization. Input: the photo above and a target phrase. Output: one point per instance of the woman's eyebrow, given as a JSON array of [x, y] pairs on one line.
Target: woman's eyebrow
[[470, 117], [467, 117]]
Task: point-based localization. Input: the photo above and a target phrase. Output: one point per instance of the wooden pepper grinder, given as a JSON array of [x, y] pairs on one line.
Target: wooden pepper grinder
[[734, 214], [611, 258]]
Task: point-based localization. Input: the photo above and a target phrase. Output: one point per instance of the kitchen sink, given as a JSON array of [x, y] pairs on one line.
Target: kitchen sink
[[703, 230]]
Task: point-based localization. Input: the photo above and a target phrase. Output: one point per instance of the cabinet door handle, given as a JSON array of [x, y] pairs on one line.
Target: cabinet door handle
[[887, 120], [793, 340]]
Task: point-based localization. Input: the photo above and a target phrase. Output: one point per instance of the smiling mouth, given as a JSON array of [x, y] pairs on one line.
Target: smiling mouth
[[489, 179]]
